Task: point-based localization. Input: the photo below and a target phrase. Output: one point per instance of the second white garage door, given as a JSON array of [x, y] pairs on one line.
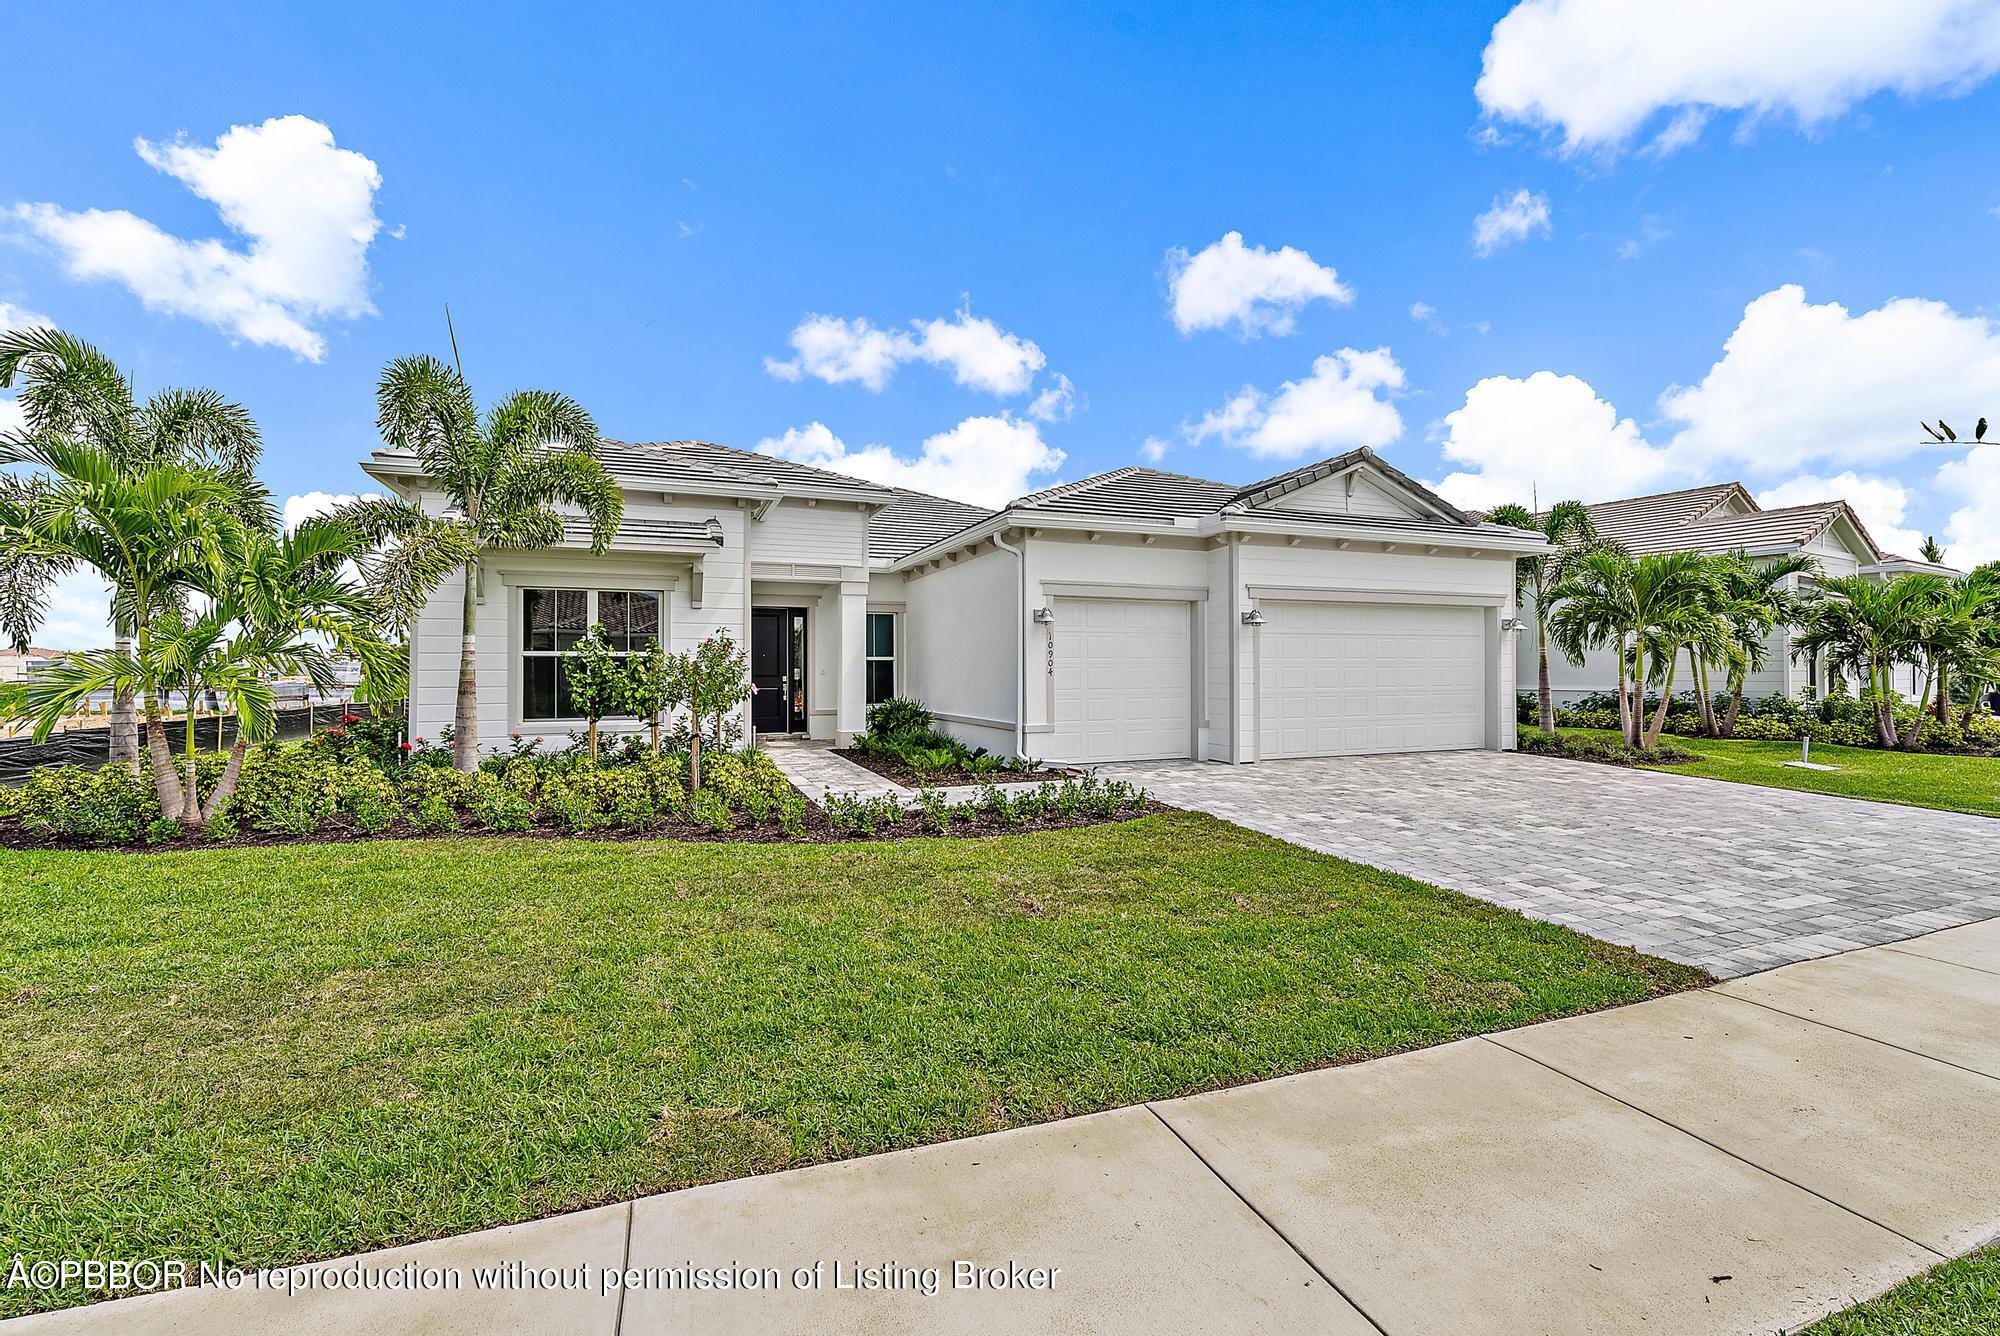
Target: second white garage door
[[1357, 678], [1124, 674]]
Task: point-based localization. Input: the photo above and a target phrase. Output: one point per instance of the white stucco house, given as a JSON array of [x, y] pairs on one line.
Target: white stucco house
[[1336, 608], [1724, 517]]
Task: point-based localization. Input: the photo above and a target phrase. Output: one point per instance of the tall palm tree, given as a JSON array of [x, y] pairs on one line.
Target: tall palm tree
[[1592, 608], [70, 391], [504, 475], [1570, 531], [272, 605], [1864, 629], [1983, 671]]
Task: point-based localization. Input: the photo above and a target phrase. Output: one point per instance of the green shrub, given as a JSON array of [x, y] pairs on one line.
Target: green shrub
[[708, 808], [499, 806], [103, 807], [898, 717], [848, 811], [1592, 747]]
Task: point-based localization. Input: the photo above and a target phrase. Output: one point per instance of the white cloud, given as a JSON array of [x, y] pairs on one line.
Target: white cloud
[[1599, 70], [305, 505], [1512, 218], [306, 208], [977, 352], [1972, 534], [1547, 437], [986, 461], [1153, 449], [1257, 290], [1881, 503], [1344, 403], [1799, 384], [836, 351], [1426, 315], [1056, 403]]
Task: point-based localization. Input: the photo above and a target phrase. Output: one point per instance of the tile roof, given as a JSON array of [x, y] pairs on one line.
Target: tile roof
[[914, 520], [703, 464], [1270, 489], [1693, 520], [1131, 493]]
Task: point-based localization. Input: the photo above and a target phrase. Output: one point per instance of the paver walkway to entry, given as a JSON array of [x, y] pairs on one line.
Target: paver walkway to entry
[[1737, 1160], [1730, 877]]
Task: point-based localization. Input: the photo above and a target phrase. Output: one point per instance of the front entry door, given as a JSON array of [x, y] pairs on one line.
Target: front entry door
[[778, 669]]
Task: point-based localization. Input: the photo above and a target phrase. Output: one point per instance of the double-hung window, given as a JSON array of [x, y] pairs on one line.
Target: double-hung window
[[881, 668], [553, 621]]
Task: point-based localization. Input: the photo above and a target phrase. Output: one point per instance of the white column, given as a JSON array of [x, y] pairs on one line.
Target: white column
[[851, 696]]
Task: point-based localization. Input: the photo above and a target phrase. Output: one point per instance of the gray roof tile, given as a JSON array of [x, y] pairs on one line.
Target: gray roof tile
[[915, 520]]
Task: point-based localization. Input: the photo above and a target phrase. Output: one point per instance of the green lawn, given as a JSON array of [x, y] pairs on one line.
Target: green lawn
[[1960, 1298], [268, 1055], [1950, 783]]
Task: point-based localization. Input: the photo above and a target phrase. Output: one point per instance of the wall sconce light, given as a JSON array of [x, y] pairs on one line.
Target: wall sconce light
[[1045, 616], [1510, 623], [1254, 617]]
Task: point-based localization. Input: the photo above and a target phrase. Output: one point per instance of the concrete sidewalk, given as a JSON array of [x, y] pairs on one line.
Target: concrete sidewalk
[[1737, 1160]]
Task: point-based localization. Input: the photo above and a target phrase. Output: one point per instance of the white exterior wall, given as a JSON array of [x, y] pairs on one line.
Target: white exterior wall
[[957, 651], [434, 638]]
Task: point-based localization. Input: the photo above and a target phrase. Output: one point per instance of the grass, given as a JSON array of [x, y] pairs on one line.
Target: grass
[[1916, 779], [258, 1056], [1960, 1298]]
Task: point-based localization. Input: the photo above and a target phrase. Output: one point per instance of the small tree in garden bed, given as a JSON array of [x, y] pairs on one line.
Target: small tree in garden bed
[[598, 682], [710, 680], [646, 689]]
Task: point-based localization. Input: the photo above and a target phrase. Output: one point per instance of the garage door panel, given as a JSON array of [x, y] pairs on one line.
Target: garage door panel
[[1355, 678], [1123, 680]]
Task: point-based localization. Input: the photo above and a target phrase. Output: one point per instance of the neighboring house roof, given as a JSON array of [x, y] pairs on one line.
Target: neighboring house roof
[[1722, 517], [31, 652], [914, 520]]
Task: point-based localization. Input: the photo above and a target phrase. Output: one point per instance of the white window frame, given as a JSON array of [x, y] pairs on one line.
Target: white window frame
[[519, 653], [894, 658]]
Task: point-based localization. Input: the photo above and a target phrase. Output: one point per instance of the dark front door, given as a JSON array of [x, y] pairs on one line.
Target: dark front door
[[778, 669]]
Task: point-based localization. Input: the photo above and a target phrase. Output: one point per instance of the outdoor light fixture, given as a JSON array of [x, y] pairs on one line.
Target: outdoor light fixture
[[1045, 616], [1254, 617], [1510, 623]]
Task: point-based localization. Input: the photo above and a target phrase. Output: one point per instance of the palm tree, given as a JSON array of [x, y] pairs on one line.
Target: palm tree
[[274, 604], [1953, 634], [504, 475], [1648, 609], [70, 391], [1932, 551], [1754, 601], [1592, 608], [1982, 671], [1570, 532], [1864, 629], [154, 532]]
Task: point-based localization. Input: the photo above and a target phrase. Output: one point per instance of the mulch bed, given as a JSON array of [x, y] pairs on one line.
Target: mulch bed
[[897, 772]]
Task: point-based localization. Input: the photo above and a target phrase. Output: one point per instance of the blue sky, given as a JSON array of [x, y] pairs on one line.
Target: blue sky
[[1721, 244]]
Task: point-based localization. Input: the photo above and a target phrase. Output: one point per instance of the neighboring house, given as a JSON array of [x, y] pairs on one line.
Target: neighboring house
[[1724, 517], [1337, 608], [18, 665]]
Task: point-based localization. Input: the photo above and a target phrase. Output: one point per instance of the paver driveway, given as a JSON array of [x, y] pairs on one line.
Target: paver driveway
[[1730, 877]]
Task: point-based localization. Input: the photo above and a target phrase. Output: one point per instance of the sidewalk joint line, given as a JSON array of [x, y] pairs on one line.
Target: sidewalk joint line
[[1873, 1039], [1267, 1222], [1724, 1150], [1977, 969], [624, 1265]]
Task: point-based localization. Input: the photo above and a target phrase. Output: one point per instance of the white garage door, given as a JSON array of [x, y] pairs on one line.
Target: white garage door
[[1124, 676], [1355, 678]]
